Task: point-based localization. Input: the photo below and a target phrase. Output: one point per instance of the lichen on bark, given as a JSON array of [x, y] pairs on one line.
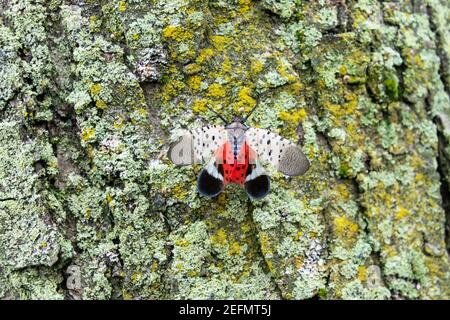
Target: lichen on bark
[[91, 94]]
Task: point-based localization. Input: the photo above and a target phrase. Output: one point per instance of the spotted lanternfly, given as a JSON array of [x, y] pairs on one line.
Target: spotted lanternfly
[[233, 155]]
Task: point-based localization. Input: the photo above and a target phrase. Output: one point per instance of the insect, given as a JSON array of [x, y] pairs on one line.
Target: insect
[[235, 154]]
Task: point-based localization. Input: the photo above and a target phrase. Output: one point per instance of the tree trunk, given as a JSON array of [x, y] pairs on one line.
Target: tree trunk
[[91, 93]]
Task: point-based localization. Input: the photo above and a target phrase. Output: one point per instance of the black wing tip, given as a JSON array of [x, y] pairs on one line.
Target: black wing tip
[[209, 186], [258, 187]]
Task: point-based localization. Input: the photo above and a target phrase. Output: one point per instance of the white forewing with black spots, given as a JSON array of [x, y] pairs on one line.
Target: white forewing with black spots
[[281, 153], [207, 140], [197, 146]]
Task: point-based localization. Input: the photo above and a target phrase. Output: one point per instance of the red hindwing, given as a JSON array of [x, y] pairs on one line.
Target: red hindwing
[[235, 170]]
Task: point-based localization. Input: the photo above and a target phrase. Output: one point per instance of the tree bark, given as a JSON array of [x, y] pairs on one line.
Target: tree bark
[[92, 92]]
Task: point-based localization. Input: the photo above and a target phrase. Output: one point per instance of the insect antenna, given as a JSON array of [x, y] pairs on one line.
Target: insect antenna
[[217, 114], [250, 113]]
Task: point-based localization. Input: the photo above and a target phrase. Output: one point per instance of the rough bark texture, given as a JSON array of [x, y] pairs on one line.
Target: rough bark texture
[[91, 92]]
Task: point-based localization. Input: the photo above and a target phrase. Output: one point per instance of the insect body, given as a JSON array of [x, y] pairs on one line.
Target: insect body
[[233, 155]]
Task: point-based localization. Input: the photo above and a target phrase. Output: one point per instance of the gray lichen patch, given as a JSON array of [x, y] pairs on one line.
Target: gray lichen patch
[[28, 236], [292, 243]]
